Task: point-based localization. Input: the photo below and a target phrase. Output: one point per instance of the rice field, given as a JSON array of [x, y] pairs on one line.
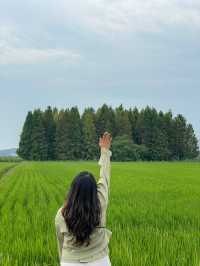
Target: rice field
[[154, 212]]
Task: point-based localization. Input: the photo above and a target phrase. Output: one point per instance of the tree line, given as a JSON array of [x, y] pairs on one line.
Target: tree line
[[145, 134]]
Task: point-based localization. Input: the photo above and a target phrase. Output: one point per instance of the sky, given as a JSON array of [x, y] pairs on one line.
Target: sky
[[86, 53]]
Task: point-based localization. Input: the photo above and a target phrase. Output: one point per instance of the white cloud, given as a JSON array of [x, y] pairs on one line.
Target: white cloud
[[99, 16], [8, 35], [103, 16], [12, 51], [106, 16], [132, 15], [12, 55]]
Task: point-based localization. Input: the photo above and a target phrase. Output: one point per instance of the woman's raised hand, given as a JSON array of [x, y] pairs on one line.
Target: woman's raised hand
[[105, 140]]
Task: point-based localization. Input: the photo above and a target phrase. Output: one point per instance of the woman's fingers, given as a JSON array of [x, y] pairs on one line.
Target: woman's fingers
[[105, 140], [106, 134], [107, 137]]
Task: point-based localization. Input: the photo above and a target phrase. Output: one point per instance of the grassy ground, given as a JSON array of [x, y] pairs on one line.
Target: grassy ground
[[5, 167], [154, 212]]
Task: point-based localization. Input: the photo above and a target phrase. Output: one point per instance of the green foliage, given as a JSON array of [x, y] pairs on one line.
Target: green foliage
[[10, 159], [123, 124], [63, 135], [39, 145], [75, 135], [50, 132], [153, 212], [179, 137], [133, 116], [67, 135], [191, 143], [105, 120], [124, 149], [33, 142], [25, 144], [90, 144], [197, 158]]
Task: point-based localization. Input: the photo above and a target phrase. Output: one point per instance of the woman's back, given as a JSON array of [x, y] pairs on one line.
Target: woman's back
[[100, 236], [97, 248]]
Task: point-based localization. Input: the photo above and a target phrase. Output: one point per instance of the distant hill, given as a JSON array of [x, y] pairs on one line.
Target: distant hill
[[8, 152]]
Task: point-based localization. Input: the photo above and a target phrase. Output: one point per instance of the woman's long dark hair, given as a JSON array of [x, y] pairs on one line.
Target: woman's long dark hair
[[82, 209]]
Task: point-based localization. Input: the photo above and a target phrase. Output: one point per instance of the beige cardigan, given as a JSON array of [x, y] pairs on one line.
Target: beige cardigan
[[98, 247]]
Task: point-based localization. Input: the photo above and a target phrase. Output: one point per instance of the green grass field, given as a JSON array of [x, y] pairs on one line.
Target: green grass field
[[5, 167], [154, 212]]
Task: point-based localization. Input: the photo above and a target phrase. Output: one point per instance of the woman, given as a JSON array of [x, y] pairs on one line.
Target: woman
[[80, 223]]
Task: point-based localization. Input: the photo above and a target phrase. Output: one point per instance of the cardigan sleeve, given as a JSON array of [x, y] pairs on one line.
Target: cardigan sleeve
[[103, 184], [60, 239]]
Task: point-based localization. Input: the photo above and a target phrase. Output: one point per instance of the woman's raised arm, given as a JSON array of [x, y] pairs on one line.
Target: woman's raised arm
[[103, 183]]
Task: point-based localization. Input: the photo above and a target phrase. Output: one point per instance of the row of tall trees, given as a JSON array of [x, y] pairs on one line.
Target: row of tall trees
[[137, 135]]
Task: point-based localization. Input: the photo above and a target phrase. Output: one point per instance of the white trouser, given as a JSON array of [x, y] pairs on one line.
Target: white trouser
[[101, 262]]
